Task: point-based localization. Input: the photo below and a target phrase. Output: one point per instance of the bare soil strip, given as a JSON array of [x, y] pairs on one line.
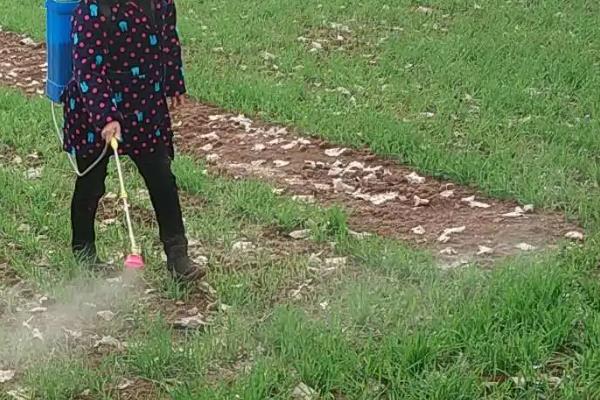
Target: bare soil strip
[[381, 196]]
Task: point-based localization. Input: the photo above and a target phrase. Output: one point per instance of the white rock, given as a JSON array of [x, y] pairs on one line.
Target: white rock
[[6, 375], [289, 146], [37, 334], [475, 204], [340, 186], [528, 208], [415, 179], [574, 235], [302, 234], [108, 341], [242, 246], [335, 171], [210, 136], [34, 173], [445, 236], [514, 214], [447, 194], [106, 315], [212, 158], [335, 152], [304, 198], [124, 384], [322, 187], [281, 163], [448, 251], [381, 198], [360, 235], [336, 261], [483, 250], [304, 392], [193, 322], [353, 167], [525, 247], [420, 202], [419, 230]]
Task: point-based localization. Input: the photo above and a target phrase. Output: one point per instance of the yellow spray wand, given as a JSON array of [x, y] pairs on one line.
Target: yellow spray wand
[[134, 260]]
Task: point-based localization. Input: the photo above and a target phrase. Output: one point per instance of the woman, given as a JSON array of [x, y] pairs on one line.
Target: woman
[[126, 63]]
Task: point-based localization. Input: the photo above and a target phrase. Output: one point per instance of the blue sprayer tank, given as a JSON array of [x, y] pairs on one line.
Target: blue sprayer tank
[[59, 45]]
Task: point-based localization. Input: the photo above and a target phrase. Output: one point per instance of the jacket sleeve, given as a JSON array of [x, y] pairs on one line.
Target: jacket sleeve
[[174, 79], [90, 55]]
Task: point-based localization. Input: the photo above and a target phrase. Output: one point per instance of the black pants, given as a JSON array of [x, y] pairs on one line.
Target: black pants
[[155, 168]]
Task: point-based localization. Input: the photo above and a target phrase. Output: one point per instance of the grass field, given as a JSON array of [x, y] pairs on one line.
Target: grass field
[[498, 94]]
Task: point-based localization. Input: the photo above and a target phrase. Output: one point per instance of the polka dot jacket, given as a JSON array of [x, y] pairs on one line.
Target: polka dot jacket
[[124, 68]]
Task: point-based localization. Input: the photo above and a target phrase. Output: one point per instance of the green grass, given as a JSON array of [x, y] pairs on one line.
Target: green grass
[[511, 84], [512, 89], [387, 326]]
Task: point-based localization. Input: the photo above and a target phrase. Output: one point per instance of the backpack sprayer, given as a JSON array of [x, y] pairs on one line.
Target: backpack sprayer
[[60, 69]]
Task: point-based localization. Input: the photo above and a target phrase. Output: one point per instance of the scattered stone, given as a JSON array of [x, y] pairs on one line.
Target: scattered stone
[[336, 261], [108, 341], [34, 173], [259, 147], [381, 198], [424, 10], [124, 384], [281, 163], [304, 392], [19, 394], [360, 235], [242, 246], [419, 230], [340, 186], [445, 236], [335, 171], [194, 322], [322, 187], [420, 202], [475, 204], [525, 247], [447, 194], [212, 158], [415, 179], [448, 251], [73, 334], [106, 315], [574, 235], [483, 250], [210, 136], [335, 152], [305, 198], [37, 334], [302, 234], [529, 208], [257, 163], [27, 41], [289, 146], [517, 213], [6, 375]]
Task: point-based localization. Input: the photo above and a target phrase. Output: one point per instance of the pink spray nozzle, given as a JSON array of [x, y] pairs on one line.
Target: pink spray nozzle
[[134, 262]]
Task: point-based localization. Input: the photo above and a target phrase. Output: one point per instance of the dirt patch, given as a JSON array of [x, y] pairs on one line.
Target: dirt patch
[[381, 196]]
